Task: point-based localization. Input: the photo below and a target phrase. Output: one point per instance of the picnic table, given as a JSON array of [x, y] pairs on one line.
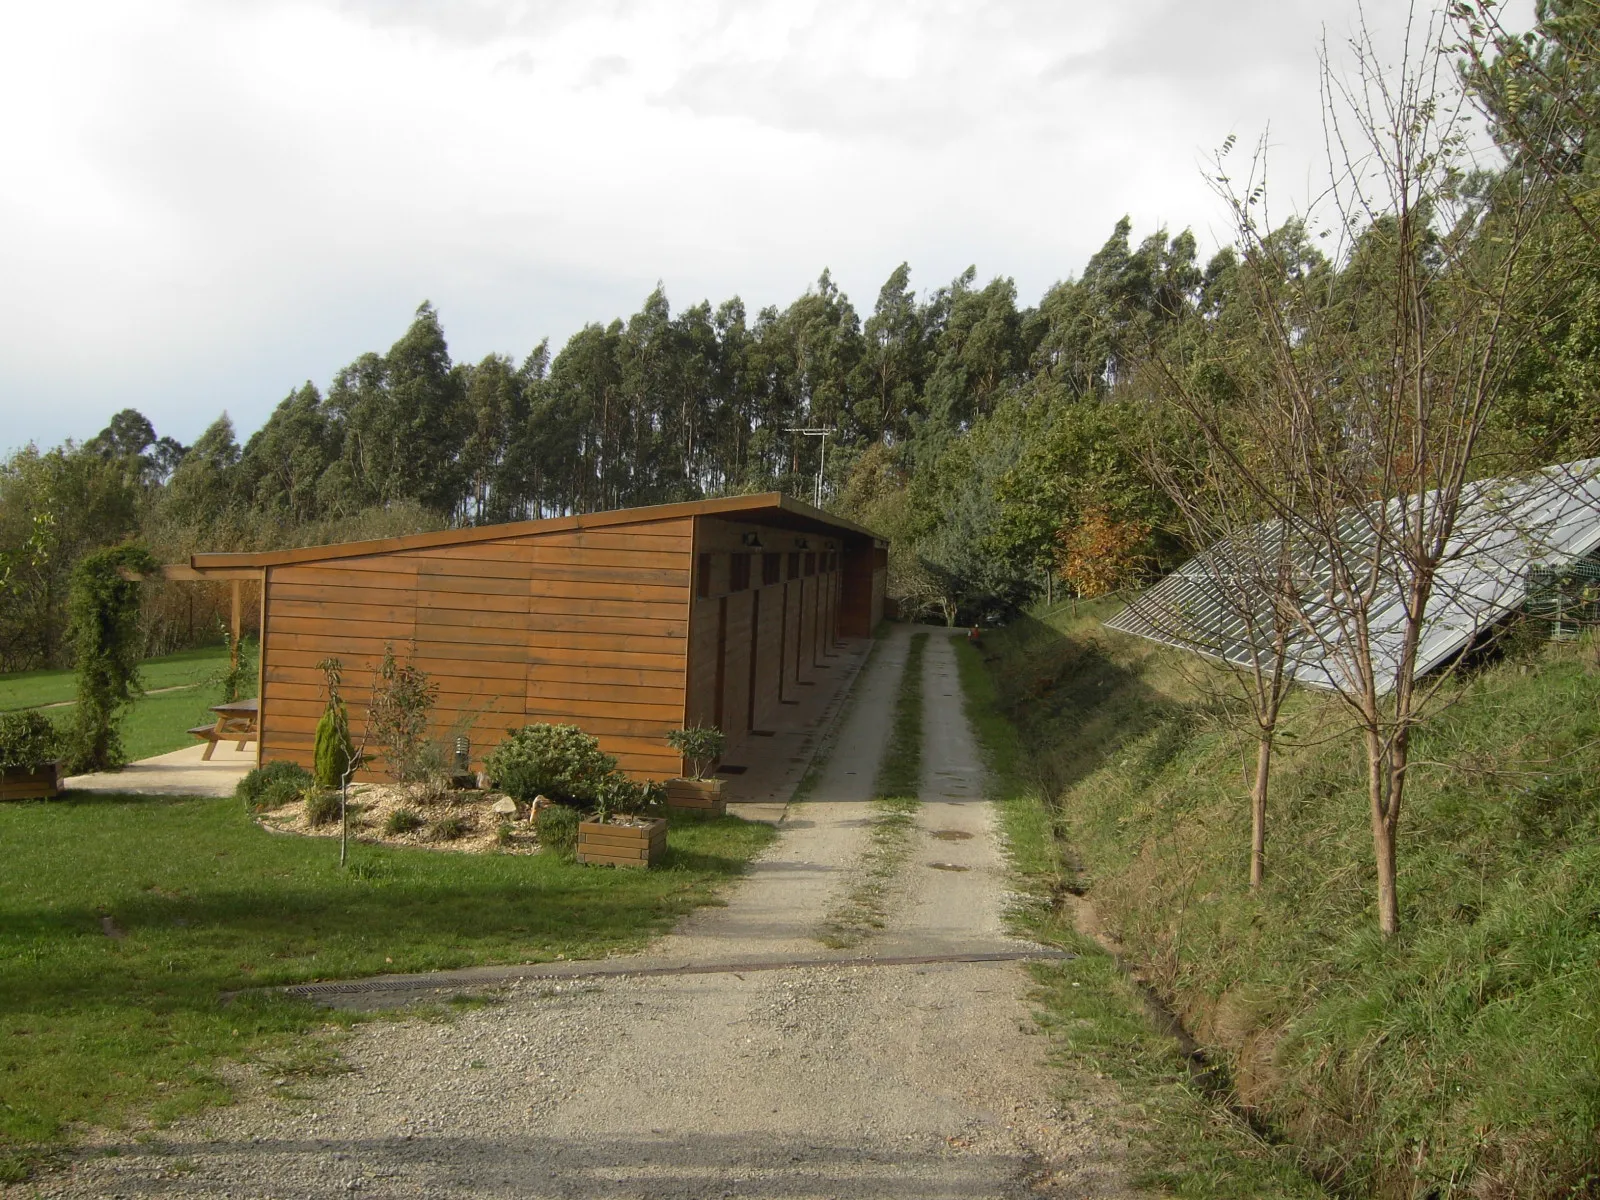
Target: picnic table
[[238, 721]]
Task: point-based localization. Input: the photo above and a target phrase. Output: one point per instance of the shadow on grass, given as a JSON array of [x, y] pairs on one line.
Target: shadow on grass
[[196, 885], [1074, 706]]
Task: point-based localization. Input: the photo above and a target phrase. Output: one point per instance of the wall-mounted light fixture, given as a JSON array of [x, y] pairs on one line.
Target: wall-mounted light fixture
[[753, 540], [801, 544]]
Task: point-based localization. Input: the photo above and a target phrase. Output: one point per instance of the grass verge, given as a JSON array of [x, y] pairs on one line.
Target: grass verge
[[122, 918], [895, 800], [154, 724], [1458, 1059], [1187, 1142]]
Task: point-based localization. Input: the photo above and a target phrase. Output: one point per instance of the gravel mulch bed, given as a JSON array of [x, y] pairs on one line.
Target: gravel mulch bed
[[460, 821]]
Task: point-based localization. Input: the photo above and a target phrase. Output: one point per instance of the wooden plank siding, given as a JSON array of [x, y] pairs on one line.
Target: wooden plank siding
[[581, 626], [752, 648], [627, 630]]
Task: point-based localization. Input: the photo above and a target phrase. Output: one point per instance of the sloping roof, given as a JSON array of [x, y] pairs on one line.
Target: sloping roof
[[767, 508], [1218, 604]]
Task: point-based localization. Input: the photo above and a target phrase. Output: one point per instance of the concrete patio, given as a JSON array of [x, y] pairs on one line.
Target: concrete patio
[[180, 773]]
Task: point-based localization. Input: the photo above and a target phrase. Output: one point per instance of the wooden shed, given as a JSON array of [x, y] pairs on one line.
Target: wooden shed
[[628, 623]]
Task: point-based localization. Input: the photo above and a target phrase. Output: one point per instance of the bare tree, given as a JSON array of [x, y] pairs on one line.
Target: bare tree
[[1357, 398], [1229, 602]]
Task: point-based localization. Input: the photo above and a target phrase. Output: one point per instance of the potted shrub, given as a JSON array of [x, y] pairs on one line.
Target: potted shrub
[[30, 757], [620, 831], [701, 747]]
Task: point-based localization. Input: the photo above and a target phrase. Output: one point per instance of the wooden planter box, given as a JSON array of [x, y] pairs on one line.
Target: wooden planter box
[[21, 783], [639, 845], [700, 795]]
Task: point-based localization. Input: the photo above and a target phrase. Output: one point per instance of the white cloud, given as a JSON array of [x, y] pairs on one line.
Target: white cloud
[[206, 203]]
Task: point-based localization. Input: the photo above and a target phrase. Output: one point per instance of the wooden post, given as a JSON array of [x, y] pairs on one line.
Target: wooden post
[[237, 609], [261, 670]]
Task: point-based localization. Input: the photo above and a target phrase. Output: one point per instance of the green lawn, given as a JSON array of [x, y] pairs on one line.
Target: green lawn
[[155, 724], [101, 1029]]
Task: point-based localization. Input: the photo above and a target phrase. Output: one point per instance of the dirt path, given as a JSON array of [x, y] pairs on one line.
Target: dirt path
[[864, 1081]]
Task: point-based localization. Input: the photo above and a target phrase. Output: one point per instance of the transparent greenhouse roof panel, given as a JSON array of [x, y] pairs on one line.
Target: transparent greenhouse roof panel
[[1220, 603]]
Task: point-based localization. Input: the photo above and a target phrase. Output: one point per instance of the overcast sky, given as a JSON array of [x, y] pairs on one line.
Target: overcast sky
[[205, 204]]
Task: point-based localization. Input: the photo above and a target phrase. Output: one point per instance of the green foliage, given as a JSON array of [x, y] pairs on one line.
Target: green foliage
[[28, 739], [403, 820], [618, 795], [559, 761], [238, 678], [322, 807], [103, 616], [332, 751], [273, 785], [450, 828], [702, 745], [557, 826], [397, 716]]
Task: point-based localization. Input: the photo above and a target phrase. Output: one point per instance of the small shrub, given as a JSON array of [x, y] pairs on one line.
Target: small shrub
[[502, 835], [28, 740], [621, 796], [322, 807], [448, 829], [403, 820], [273, 785], [559, 761], [702, 745], [397, 717], [557, 827], [333, 749], [433, 788]]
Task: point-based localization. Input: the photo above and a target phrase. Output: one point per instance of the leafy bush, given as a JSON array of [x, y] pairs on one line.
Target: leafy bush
[[28, 740], [403, 820], [559, 761], [702, 745], [557, 827], [273, 785], [448, 829], [322, 807], [503, 833]]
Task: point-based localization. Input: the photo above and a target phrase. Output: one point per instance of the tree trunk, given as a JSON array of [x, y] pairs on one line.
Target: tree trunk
[[1258, 810], [1385, 781], [1383, 841]]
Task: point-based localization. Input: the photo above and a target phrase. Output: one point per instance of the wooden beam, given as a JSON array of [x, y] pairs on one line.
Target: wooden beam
[[183, 572]]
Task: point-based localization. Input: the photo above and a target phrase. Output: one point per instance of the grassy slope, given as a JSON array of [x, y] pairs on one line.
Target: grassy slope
[[154, 724], [1463, 1058], [98, 1029], [1187, 1142]]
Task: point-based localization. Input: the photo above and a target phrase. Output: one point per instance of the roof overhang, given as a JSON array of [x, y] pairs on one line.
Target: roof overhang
[[767, 508]]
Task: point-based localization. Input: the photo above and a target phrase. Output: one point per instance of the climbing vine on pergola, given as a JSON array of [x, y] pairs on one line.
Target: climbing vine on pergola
[[107, 644]]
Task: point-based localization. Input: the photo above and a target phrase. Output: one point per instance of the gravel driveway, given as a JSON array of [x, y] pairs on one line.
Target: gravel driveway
[[818, 1081]]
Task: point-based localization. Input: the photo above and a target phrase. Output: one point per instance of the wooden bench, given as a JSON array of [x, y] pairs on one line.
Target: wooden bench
[[212, 735], [235, 722]]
